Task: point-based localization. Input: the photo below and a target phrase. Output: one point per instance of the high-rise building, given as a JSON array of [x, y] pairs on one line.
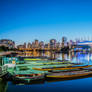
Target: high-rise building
[[33, 45], [24, 45], [52, 43], [36, 43], [47, 45], [58, 45], [29, 45], [41, 44], [64, 39], [20, 46]]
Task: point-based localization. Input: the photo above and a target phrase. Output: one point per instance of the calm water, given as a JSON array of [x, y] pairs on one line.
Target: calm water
[[75, 85], [79, 85]]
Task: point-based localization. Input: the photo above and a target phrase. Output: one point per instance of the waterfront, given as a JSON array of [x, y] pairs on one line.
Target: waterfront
[[80, 84], [45, 45]]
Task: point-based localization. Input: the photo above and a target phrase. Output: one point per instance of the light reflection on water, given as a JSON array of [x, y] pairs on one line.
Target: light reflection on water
[[76, 85], [78, 58]]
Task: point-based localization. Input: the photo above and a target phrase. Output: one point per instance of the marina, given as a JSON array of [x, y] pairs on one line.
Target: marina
[[22, 72], [37, 69], [45, 46]]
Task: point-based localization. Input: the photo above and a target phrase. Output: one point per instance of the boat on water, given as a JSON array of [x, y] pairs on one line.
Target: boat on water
[[62, 68], [49, 65], [29, 77], [32, 59], [67, 75], [58, 71], [46, 63]]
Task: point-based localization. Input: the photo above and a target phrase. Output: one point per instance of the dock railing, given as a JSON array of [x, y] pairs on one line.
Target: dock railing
[[3, 70]]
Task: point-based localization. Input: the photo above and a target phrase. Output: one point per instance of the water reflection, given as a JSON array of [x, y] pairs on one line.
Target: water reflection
[[71, 56]]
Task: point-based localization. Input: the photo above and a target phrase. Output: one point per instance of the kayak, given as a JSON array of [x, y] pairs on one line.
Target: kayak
[[62, 68], [66, 75], [29, 76], [32, 59]]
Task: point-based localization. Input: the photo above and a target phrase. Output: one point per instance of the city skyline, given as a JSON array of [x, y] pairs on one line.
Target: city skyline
[[27, 20]]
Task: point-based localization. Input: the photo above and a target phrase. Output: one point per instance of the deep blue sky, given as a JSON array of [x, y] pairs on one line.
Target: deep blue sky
[[26, 20]]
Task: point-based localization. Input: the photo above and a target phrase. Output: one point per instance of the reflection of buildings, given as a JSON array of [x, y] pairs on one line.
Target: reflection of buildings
[[63, 56], [7, 43], [47, 53], [52, 55]]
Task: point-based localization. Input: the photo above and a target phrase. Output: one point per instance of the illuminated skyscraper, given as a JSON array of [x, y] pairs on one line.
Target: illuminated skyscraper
[[63, 41], [24, 45], [36, 43], [41, 44], [52, 43], [29, 45]]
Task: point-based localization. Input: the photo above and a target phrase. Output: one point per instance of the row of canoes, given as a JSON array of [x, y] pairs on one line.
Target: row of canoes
[[66, 75], [60, 75], [65, 72], [55, 75]]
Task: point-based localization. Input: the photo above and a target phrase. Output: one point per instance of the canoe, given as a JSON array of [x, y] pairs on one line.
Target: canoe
[[48, 63], [58, 71], [29, 76], [66, 75], [62, 68], [32, 59], [45, 63]]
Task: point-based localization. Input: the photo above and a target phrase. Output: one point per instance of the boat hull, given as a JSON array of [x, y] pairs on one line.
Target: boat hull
[[29, 78], [62, 68], [68, 76]]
